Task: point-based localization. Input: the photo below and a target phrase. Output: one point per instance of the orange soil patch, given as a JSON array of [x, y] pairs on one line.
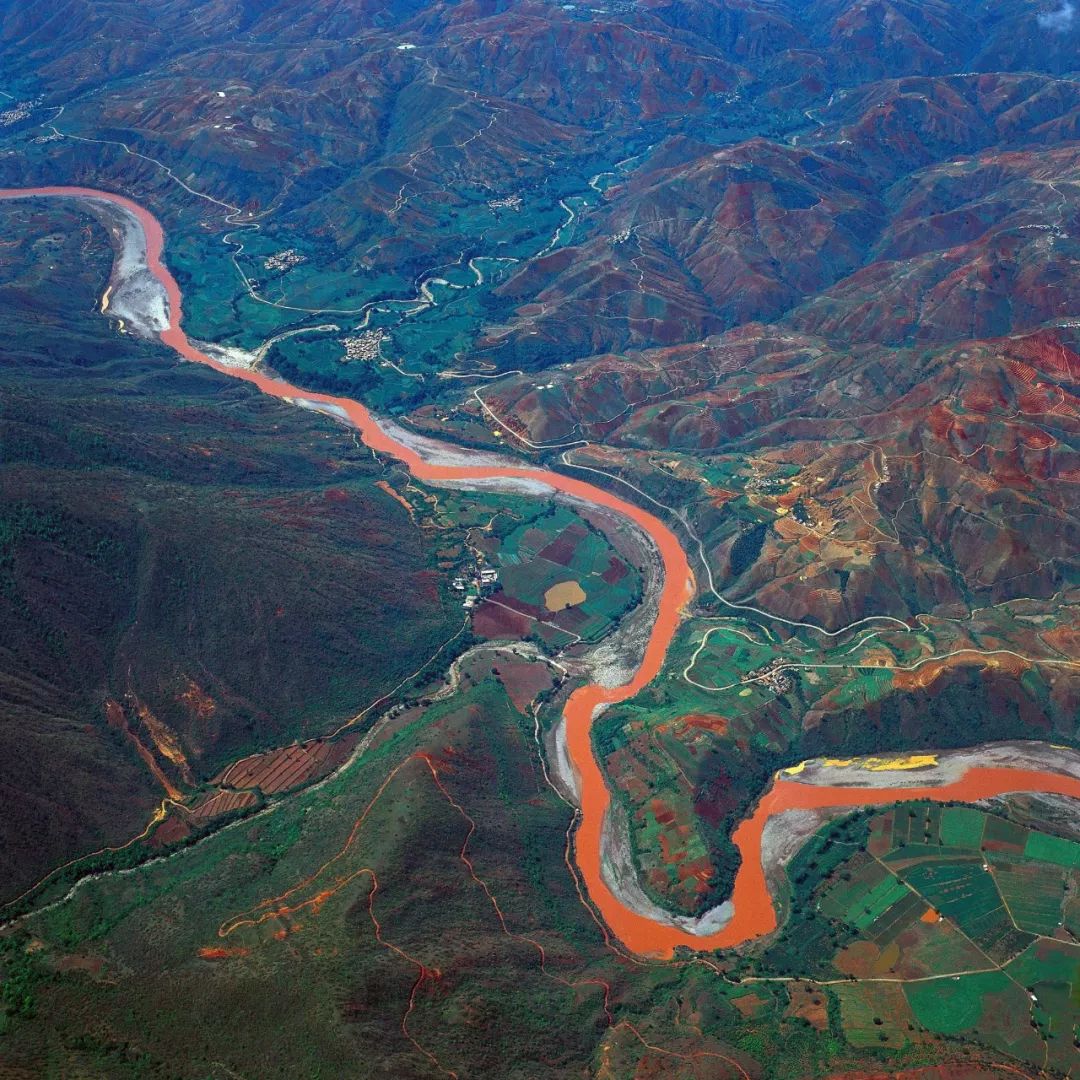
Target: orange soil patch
[[929, 916], [1048, 352], [666, 852], [92, 965], [924, 676], [1024, 372], [700, 870], [720, 495], [888, 958], [164, 739], [278, 770], [827, 598], [199, 703], [175, 827], [749, 1005], [114, 714], [565, 594], [877, 658], [857, 959], [208, 952], [983, 399], [382, 485], [787, 528], [1032, 402], [625, 768], [1065, 639], [708, 721], [657, 879], [1035, 439]]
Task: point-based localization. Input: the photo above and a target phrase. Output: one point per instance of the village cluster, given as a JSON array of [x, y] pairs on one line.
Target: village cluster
[[476, 583], [766, 484], [284, 260], [14, 115], [779, 682], [365, 346]]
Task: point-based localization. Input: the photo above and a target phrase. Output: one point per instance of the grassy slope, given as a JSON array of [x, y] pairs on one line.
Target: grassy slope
[[119, 987], [163, 529]]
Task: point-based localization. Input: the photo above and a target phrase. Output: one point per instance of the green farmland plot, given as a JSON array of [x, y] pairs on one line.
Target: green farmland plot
[[847, 897], [915, 852], [724, 655], [1049, 962], [1052, 849], [960, 890], [864, 900], [935, 948], [873, 1014], [1051, 972], [910, 906], [1072, 904], [950, 1006], [962, 827], [876, 903], [966, 892], [1033, 892], [996, 935], [554, 547]]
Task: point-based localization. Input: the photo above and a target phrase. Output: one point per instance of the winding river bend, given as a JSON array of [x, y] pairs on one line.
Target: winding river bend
[[754, 913]]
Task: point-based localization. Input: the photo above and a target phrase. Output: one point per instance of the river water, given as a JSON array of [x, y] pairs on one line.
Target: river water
[[754, 913]]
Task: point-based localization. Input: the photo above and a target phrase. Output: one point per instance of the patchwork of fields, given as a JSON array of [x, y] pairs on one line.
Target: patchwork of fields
[[945, 921], [560, 580]]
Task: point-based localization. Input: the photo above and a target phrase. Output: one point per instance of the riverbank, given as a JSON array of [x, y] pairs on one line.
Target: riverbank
[[753, 913]]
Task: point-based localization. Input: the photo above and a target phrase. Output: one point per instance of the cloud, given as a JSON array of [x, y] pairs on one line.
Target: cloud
[[1058, 21]]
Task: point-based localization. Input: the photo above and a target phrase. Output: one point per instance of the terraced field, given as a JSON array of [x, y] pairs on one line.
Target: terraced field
[[288, 767]]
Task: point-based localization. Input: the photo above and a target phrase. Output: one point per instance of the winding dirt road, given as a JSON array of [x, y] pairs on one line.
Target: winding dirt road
[[754, 911]]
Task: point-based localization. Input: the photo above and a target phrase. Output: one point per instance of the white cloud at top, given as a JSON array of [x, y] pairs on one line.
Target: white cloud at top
[[1060, 20]]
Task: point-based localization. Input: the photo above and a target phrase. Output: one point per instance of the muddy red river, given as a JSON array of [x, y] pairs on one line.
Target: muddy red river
[[755, 914]]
